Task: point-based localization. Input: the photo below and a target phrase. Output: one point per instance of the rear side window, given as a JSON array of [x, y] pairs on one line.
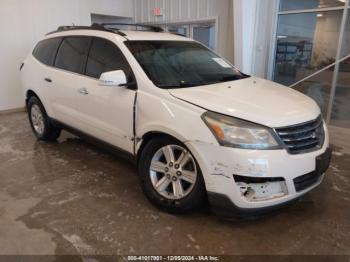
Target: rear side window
[[73, 53], [105, 56], [46, 50]]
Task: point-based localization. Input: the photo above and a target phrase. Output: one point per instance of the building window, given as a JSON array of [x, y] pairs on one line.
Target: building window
[[201, 32], [307, 41], [292, 5]]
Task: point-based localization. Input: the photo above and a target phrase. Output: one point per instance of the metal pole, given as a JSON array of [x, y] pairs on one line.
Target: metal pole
[[337, 66], [320, 71]]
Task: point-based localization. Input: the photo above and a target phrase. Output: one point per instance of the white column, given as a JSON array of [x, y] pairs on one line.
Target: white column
[[244, 17], [253, 34]]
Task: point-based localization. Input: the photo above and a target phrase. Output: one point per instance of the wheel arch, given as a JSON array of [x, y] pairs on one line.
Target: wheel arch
[[30, 93], [150, 135]]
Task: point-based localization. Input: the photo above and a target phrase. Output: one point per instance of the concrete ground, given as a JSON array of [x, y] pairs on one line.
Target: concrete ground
[[73, 198]]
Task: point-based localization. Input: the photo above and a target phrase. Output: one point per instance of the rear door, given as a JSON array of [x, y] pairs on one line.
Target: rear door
[[106, 112], [67, 79], [37, 75]]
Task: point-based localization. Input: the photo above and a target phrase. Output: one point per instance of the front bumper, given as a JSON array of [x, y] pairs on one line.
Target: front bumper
[[222, 206], [220, 164]]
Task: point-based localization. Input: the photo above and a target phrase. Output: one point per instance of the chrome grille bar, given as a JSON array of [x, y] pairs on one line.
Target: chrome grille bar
[[303, 138]]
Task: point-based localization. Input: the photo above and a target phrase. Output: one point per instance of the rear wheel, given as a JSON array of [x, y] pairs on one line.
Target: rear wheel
[[40, 122], [171, 177]]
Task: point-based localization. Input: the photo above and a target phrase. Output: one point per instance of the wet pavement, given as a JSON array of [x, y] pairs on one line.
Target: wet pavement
[[70, 197]]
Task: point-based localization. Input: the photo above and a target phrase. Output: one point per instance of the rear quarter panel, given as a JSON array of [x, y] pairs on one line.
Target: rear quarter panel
[[32, 77]]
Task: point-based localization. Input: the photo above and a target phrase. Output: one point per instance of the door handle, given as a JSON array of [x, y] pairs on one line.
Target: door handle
[[47, 79], [83, 91]]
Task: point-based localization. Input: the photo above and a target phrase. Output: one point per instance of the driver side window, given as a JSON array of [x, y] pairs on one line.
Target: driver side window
[[105, 56]]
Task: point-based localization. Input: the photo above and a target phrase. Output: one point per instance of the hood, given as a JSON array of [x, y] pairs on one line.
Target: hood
[[253, 99]]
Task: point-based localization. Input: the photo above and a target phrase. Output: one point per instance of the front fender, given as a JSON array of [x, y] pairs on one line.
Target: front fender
[[171, 116]]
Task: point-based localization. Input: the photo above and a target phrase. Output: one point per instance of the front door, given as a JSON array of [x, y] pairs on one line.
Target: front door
[[106, 112]]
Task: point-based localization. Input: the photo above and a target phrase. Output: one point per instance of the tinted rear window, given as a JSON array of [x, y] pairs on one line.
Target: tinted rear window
[[73, 53], [46, 50]]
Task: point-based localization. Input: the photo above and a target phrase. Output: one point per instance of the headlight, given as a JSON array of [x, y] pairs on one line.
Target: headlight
[[233, 132]]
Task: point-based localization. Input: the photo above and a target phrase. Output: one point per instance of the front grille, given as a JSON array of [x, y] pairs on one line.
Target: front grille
[[303, 182], [303, 138]]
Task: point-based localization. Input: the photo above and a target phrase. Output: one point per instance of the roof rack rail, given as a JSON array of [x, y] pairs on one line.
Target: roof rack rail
[[176, 33], [107, 27], [73, 27], [150, 27], [94, 26]]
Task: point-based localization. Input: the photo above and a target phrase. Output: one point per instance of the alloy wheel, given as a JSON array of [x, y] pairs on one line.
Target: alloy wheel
[[37, 119], [173, 172]]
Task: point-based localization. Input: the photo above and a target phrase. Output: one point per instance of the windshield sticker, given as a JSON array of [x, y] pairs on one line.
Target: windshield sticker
[[222, 62]]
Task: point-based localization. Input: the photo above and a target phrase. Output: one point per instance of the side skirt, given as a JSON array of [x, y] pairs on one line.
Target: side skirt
[[97, 142]]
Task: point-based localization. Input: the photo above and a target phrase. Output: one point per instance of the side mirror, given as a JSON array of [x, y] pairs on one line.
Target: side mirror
[[113, 78]]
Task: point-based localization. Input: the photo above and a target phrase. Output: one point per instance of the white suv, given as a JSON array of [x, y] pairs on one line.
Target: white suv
[[197, 127]]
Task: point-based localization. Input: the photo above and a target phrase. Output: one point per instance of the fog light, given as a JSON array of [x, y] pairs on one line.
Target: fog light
[[261, 189]]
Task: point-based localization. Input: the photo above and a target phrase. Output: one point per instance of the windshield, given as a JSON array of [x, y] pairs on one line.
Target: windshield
[[180, 64]]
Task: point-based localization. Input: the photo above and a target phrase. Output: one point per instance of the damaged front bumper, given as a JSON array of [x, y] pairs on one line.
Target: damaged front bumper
[[242, 181]]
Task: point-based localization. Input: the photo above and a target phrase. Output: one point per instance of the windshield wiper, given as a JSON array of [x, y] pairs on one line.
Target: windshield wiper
[[182, 84], [231, 78], [168, 85]]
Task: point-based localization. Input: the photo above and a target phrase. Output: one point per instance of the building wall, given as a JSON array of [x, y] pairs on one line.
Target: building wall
[[190, 11], [23, 23], [95, 18]]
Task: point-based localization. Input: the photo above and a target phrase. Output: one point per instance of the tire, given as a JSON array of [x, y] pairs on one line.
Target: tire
[[176, 192], [40, 122]]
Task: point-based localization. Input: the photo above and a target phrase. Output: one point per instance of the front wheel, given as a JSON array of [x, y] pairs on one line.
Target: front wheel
[[170, 176]]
